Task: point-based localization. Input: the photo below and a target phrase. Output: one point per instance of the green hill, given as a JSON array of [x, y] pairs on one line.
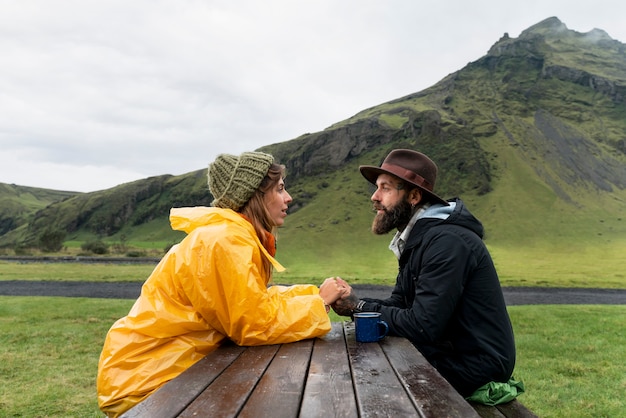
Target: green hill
[[531, 136], [138, 210], [18, 204]]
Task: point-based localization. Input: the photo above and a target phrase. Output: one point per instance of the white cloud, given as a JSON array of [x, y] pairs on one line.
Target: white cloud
[[94, 94]]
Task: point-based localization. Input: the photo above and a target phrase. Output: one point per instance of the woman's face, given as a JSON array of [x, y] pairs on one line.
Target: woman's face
[[277, 202]]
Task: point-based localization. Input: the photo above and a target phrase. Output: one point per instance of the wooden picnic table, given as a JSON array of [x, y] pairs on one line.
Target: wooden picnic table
[[333, 376]]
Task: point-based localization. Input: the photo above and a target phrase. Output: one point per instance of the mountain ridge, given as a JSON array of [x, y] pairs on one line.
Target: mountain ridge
[[543, 114]]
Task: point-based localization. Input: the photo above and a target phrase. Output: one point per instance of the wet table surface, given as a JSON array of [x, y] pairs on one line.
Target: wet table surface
[[333, 376]]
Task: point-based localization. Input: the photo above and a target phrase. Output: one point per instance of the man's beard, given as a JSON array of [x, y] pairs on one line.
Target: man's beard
[[390, 218]]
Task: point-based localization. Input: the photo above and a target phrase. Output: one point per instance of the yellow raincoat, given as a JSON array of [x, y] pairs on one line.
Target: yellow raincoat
[[207, 288]]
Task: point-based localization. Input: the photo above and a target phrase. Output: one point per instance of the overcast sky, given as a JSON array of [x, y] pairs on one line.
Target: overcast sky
[[94, 94]]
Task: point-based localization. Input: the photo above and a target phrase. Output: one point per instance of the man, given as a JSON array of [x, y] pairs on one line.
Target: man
[[447, 298]]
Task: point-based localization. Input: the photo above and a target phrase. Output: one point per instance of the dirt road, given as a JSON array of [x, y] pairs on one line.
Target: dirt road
[[131, 290]]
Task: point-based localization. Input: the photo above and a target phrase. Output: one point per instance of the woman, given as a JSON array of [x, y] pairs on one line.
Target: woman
[[213, 286]]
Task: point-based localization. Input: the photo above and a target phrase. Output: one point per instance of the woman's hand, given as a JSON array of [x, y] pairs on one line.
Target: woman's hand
[[333, 289], [345, 285]]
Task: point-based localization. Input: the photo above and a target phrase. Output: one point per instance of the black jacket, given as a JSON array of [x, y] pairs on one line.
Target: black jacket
[[448, 301]]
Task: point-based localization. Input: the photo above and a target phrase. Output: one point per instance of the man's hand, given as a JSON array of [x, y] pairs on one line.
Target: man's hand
[[346, 304]]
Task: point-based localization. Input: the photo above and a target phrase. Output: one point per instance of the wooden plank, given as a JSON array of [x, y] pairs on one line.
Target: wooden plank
[[434, 396], [512, 409], [515, 409], [169, 400], [226, 395], [379, 392], [486, 411], [329, 391], [279, 392]]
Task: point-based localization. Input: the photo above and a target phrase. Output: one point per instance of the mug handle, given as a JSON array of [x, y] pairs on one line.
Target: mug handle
[[382, 325]]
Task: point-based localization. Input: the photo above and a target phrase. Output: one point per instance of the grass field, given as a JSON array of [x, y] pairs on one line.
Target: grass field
[[49, 350], [569, 357], [576, 265]]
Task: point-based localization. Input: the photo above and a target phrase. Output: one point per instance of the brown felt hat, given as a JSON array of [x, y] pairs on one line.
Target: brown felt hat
[[411, 166]]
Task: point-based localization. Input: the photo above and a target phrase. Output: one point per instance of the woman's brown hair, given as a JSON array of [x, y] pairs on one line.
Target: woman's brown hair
[[257, 213]]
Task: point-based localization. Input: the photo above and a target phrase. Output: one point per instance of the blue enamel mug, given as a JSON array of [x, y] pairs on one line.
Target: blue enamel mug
[[369, 327]]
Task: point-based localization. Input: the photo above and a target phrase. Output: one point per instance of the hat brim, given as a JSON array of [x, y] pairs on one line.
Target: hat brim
[[371, 173]]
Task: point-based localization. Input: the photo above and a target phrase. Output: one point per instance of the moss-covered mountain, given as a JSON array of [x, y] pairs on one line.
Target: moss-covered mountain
[[19, 203], [532, 136], [131, 208]]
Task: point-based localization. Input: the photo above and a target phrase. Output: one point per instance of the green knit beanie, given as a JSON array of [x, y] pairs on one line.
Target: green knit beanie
[[234, 179]]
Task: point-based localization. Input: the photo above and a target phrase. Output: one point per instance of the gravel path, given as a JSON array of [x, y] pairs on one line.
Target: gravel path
[[130, 290]]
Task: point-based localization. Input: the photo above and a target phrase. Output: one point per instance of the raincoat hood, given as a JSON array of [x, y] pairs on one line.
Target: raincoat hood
[[189, 218]]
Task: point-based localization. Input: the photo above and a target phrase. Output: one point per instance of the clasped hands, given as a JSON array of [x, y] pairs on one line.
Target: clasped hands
[[339, 295]]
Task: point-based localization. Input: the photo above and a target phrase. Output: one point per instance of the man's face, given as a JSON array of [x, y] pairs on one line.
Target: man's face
[[391, 204]]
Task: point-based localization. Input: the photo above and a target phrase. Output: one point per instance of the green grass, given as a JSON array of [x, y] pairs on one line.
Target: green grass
[[75, 272], [541, 265], [569, 357], [572, 265], [545, 265], [49, 349]]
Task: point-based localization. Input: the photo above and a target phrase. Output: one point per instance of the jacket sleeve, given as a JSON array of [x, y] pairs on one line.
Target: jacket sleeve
[[396, 299], [225, 285], [445, 263]]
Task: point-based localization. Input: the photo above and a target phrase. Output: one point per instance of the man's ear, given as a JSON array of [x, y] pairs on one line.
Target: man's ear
[[415, 196]]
